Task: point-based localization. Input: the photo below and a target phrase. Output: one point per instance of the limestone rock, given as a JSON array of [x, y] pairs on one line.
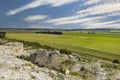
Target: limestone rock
[[15, 46], [13, 68], [64, 57], [67, 72], [47, 59], [76, 68], [54, 59], [41, 57]]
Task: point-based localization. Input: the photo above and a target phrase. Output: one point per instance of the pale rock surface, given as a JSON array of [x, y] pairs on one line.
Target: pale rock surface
[[12, 68], [76, 68], [15, 46]]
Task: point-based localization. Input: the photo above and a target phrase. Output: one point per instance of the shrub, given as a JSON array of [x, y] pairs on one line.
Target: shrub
[[47, 47], [23, 57], [68, 62], [75, 73], [65, 51], [115, 61], [83, 69], [66, 65]]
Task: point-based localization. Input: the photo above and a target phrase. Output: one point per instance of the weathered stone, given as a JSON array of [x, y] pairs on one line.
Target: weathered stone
[[67, 72], [47, 59], [76, 68], [64, 57], [54, 58]]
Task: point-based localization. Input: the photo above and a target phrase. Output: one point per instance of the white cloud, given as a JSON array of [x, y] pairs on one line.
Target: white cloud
[[105, 8], [114, 14], [37, 3], [100, 9], [90, 2], [35, 18], [56, 3], [71, 20], [97, 24], [96, 2]]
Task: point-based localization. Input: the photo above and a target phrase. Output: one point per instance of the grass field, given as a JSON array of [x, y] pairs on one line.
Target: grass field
[[101, 45]]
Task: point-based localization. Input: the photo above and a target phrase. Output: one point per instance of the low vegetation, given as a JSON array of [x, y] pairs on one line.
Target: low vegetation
[[116, 61], [65, 51], [105, 46]]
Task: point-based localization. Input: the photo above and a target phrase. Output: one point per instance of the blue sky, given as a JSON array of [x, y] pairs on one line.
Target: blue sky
[[60, 14]]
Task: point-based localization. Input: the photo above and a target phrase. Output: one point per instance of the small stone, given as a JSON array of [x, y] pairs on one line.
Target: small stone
[[67, 72]]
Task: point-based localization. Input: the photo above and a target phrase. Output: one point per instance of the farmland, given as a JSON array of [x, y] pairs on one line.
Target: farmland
[[105, 46]]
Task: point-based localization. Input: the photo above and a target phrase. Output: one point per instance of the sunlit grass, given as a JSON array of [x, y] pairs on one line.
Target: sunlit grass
[[92, 44]]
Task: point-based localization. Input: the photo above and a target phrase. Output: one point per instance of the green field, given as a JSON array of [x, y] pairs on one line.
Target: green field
[[101, 45]]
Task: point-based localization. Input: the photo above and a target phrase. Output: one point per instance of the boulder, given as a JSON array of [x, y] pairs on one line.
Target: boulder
[[41, 57], [46, 59]]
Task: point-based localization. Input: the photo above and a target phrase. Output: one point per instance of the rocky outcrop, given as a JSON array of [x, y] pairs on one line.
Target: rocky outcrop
[[74, 67], [13, 68], [46, 59]]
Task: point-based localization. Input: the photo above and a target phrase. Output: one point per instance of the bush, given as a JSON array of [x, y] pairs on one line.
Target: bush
[[68, 62], [83, 69], [115, 61], [65, 51], [66, 65], [23, 57]]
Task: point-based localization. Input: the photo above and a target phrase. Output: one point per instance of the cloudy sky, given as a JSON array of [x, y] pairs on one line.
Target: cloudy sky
[[63, 14]]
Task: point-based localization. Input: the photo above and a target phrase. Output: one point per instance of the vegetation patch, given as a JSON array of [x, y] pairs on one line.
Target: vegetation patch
[[116, 61], [110, 66], [65, 51], [66, 65]]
